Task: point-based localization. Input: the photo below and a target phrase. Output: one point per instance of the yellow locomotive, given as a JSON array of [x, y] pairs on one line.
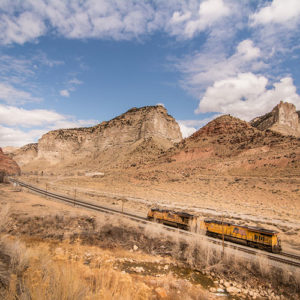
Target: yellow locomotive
[[180, 220], [248, 235]]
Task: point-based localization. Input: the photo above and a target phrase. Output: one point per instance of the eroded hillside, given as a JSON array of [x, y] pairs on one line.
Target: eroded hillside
[[8, 165], [147, 131]]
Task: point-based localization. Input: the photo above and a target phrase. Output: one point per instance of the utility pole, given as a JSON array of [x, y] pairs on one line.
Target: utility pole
[[46, 190], [223, 246], [122, 205], [74, 197]]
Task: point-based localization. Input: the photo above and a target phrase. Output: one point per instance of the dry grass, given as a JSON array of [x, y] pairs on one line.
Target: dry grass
[[110, 232], [45, 277], [4, 217], [49, 270]]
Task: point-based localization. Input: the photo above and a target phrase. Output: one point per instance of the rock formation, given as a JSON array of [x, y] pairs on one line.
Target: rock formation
[[283, 119], [8, 165], [23, 155], [108, 142], [232, 146]]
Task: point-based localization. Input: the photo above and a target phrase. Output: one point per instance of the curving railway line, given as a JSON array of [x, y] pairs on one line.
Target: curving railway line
[[285, 258]]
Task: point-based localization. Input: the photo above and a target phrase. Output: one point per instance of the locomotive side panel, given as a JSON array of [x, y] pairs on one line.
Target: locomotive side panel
[[251, 236]]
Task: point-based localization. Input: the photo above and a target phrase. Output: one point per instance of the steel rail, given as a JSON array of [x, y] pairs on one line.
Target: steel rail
[[81, 203], [290, 255]]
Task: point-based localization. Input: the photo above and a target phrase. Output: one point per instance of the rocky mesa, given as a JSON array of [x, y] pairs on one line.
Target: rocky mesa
[[107, 143], [283, 119]]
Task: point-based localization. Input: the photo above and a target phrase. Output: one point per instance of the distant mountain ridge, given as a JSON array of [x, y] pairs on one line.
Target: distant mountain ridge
[[149, 136], [106, 144], [232, 146]]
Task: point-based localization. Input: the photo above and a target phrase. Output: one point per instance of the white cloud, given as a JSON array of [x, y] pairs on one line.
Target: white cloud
[[180, 17], [190, 19], [17, 137], [247, 50], [14, 116], [188, 127], [64, 93], [22, 28], [279, 11], [19, 77], [203, 68], [210, 11], [186, 131], [112, 19], [247, 95], [14, 122], [75, 81], [11, 95]]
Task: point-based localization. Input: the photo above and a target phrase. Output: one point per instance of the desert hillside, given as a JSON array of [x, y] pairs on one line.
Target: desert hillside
[[137, 135], [226, 170], [228, 145], [8, 165]]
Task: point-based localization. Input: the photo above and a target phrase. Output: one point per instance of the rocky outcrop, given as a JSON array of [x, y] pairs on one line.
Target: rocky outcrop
[[223, 125], [25, 154], [228, 138], [108, 140], [8, 165], [229, 146], [283, 119]]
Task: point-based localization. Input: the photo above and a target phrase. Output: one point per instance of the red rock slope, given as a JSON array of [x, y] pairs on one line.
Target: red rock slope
[[8, 165]]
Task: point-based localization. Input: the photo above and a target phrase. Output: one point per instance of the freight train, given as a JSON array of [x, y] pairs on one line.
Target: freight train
[[248, 235]]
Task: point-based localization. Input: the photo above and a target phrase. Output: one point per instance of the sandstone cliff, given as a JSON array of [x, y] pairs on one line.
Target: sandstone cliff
[[108, 143], [283, 119], [8, 165], [23, 155]]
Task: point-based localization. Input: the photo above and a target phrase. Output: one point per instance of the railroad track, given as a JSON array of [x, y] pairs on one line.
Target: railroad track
[[285, 258]]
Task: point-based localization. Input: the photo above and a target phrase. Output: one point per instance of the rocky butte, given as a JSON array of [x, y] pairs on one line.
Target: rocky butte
[[283, 119], [108, 143]]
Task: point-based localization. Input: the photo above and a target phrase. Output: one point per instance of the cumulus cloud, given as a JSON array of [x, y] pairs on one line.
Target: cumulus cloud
[[65, 93], [20, 126], [14, 116], [190, 21], [205, 67], [16, 137], [113, 19], [247, 50], [247, 95], [27, 26], [278, 11]]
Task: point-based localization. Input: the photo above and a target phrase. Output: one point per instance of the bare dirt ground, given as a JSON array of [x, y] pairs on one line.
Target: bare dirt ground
[[39, 232], [51, 237], [269, 202]]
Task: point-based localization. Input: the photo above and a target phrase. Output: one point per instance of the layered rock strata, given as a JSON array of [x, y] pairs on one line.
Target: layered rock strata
[[108, 140], [283, 119]]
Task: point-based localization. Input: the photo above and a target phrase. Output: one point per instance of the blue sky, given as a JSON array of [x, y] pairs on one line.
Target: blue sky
[[77, 63]]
